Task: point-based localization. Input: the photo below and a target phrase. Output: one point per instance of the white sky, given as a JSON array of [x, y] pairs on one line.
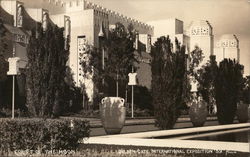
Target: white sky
[[225, 16]]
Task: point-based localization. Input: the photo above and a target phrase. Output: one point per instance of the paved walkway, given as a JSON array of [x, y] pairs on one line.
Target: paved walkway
[[96, 122], [135, 127], [144, 139], [143, 124]]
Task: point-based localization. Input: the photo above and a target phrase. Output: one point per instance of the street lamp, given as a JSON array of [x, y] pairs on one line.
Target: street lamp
[[132, 82], [101, 36], [13, 70], [132, 76]]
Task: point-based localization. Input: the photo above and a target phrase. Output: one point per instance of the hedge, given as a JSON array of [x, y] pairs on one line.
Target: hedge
[[41, 134]]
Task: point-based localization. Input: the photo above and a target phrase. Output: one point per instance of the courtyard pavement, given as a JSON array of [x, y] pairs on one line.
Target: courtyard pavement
[[140, 124], [143, 125], [148, 139]]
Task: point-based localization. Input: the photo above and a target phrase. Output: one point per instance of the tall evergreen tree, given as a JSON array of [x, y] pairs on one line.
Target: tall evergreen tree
[[121, 56], [228, 86], [119, 49], [46, 71], [168, 82], [3, 62], [3, 43], [206, 79], [246, 90]]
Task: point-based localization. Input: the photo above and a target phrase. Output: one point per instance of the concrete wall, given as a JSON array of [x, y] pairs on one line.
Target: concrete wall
[[54, 6], [145, 39], [144, 74], [167, 27], [79, 28], [100, 20], [204, 43], [183, 40], [58, 19], [74, 6], [115, 17], [35, 13]]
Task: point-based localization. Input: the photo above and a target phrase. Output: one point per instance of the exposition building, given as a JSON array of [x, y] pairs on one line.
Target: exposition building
[[198, 33], [82, 21]]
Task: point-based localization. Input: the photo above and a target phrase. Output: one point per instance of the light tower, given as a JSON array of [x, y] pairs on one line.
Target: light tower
[[228, 47], [201, 35]]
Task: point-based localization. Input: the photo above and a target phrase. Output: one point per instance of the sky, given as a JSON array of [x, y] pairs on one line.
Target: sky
[[225, 16]]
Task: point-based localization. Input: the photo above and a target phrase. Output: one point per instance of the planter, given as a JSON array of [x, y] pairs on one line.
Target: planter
[[198, 113], [113, 114], [242, 112]]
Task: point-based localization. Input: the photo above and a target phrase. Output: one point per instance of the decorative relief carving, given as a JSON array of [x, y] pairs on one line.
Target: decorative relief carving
[[200, 31], [228, 43]]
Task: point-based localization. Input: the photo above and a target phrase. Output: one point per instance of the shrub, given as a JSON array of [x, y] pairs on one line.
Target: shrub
[[46, 71], [139, 112], [246, 90], [228, 85], [40, 134], [6, 112], [142, 97], [168, 82]]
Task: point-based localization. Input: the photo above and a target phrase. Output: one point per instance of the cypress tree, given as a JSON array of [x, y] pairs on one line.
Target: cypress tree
[[46, 71], [228, 86], [3, 43], [168, 82], [3, 62], [119, 60]]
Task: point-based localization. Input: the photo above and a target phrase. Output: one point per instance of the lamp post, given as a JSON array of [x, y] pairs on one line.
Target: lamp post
[[13, 70], [101, 36], [132, 77], [132, 82], [13, 86], [132, 99]]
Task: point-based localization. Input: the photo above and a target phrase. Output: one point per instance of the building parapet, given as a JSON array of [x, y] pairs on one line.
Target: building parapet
[[56, 2], [90, 5]]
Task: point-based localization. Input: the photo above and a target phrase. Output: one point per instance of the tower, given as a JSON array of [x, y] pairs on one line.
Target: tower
[[228, 47], [201, 35]]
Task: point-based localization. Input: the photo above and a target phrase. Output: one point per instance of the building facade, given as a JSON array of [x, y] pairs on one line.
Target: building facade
[[174, 29], [81, 20]]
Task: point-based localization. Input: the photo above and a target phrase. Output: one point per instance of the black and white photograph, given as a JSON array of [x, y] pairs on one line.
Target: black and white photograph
[[124, 78]]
